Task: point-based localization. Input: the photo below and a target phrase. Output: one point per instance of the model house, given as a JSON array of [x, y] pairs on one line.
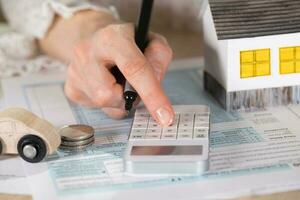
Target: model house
[[252, 52]]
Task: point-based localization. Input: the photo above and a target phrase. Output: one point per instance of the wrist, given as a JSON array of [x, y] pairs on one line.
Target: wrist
[[88, 22], [65, 33]]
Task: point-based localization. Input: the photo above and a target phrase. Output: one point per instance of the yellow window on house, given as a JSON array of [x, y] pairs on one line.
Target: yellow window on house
[[255, 63], [289, 60]]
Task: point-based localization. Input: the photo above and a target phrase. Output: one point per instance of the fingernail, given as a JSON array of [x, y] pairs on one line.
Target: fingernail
[[164, 116]]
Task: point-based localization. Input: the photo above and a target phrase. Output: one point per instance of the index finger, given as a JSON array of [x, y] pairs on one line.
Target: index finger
[[140, 74]]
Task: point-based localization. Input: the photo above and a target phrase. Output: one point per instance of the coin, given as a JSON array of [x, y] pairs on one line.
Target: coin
[[78, 143], [75, 148], [76, 132]]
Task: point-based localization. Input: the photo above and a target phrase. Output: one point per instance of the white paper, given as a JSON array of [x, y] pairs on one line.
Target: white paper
[[251, 153], [12, 176]]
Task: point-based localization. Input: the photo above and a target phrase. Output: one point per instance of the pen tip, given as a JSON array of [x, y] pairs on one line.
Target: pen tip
[[130, 97], [128, 106]]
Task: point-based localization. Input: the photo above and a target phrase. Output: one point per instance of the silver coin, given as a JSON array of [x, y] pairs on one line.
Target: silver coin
[[76, 132], [78, 143], [75, 148]]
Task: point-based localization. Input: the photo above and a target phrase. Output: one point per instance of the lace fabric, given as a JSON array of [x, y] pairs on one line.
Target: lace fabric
[[29, 20]]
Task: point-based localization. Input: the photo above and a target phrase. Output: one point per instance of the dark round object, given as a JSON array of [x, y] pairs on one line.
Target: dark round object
[[130, 98], [38, 144]]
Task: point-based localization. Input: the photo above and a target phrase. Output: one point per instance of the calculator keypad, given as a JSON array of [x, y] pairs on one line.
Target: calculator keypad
[[186, 126]]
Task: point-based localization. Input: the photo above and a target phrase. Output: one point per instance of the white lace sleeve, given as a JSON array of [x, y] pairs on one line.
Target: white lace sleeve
[[28, 20], [34, 17]]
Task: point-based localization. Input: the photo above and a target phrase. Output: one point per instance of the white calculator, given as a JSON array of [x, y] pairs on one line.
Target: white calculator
[[181, 148]]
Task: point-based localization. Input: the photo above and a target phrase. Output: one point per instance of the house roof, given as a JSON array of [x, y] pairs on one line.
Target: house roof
[[252, 18]]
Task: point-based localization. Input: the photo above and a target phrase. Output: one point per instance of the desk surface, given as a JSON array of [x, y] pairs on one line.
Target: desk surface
[[14, 197]]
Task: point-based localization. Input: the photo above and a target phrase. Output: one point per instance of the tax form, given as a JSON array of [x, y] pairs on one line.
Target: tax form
[[251, 153]]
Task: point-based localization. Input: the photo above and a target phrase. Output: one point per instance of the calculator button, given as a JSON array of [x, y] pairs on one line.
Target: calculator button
[[141, 111], [174, 125], [169, 130], [187, 115], [185, 133], [168, 136], [184, 136], [138, 131], [203, 114], [202, 124], [186, 119], [139, 126], [186, 126], [140, 120], [169, 133], [152, 131], [200, 136], [186, 122], [153, 125], [136, 137], [142, 115], [201, 119], [199, 132], [150, 136], [187, 130]]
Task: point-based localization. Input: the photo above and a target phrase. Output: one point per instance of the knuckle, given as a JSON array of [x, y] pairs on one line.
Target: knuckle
[[103, 98], [73, 77], [115, 113], [107, 38], [169, 51], [71, 72], [71, 93], [77, 48], [81, 52], [163, 49], [116, 33], [107, 33], [162, 38], [135, 68]]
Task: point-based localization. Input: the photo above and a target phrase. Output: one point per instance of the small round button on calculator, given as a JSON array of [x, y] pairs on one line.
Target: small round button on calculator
[[181, 148]]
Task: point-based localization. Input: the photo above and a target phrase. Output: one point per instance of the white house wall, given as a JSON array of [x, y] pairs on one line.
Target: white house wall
[[215, 51], [235, 83]]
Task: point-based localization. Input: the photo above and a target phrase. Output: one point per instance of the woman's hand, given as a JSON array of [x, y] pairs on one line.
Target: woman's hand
[[91, 58], [90, 81]]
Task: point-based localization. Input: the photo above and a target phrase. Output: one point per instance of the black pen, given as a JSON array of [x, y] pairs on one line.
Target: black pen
[[141, 39]]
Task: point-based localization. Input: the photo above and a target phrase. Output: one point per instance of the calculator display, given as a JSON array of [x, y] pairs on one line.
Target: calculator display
[[182, 150]]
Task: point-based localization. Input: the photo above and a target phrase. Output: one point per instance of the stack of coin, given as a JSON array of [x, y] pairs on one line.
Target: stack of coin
[[76, 137]]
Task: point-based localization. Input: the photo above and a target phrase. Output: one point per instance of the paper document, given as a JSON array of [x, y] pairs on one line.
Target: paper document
[[251, 153], [12, 176]]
